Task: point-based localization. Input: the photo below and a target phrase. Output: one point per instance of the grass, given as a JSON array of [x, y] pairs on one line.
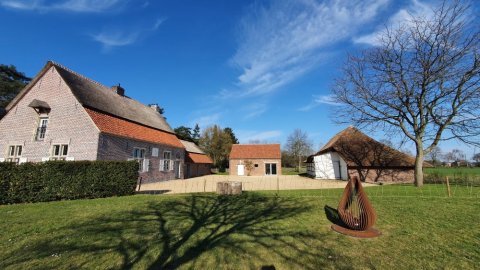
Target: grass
[[459, 175], [255, 230], [460, 171], [292, 171]]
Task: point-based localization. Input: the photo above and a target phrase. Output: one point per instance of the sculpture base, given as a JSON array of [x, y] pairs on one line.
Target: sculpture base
[[370, 233]]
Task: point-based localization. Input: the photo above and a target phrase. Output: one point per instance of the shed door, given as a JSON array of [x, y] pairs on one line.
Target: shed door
[[241, 169]]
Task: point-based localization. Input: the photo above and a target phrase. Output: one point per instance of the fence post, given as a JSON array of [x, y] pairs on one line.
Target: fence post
[[448, 188]]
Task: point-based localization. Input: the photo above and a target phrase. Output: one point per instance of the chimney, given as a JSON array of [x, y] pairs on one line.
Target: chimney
[[155, 107], [119, 90]]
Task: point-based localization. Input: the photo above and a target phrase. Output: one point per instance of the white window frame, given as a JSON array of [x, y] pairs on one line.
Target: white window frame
[[14, 153], [139, 156], [166, 163], [42, 124], [61, 152]]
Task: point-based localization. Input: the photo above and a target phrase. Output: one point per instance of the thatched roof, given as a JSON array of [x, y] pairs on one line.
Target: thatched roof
[[96, 96], [192, 147], [360, 150]]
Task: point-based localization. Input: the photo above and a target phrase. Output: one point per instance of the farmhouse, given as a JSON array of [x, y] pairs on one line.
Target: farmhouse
[[255, 159], [352, 153], [197, 163], [62, 115]]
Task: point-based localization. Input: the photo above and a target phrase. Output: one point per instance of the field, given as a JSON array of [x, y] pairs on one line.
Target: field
[[255, 230], [454, 172]]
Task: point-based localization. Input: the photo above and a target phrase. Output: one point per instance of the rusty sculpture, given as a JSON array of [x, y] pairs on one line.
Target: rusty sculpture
[[356, 212]]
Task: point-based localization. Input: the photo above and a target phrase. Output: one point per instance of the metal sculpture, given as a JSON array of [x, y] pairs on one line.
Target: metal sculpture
[[356, 212]]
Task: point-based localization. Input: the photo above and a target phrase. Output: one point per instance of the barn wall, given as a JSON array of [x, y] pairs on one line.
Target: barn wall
[[385, 175], [323, 167]]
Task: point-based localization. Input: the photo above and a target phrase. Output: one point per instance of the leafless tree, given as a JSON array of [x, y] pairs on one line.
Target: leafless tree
[[421, 81], [435, 154], [299, 145]]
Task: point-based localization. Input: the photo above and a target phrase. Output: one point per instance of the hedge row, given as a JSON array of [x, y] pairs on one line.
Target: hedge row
[[66, 180]]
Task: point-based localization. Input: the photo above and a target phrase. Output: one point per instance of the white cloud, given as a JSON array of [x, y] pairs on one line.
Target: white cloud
[[246, 136], [81, 6], [110, 38], [319, 100], [206, 120], [254, 110], [404, 16], [281, 41]]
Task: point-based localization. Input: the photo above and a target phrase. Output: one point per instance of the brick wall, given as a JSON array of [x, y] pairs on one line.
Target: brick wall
[[385, 175], [68, 123], [118, 148], [256, 171]]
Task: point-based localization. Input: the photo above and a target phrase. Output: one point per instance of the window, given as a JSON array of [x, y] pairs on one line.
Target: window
[[165, 163], [59, 152], [270, 168], [14, 153], [42, 129], [139, 156]]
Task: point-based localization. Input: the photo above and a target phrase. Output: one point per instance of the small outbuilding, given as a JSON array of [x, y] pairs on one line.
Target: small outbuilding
[[197, 163], [353, 153], [255, 159]]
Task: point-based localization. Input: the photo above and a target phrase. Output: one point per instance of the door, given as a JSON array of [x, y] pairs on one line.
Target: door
[[176, 167], [240, 169], [337, 169]]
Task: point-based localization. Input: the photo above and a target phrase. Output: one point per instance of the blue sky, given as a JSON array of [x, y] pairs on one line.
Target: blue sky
[[263, 68]]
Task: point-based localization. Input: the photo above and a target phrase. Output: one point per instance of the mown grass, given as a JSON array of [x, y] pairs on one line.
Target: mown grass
[[453, 171], [456, 176], [257, 229], [293, 171]]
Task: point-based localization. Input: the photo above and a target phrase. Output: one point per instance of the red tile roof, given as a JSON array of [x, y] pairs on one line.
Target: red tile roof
[[242, 151], [198, 158], [120, 127]]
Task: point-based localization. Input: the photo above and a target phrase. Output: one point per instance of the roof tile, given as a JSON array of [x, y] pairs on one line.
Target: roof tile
[[242, 151], [120, 127]]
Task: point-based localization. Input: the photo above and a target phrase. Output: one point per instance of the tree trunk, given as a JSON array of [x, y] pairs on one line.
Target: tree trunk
[[419, 165]]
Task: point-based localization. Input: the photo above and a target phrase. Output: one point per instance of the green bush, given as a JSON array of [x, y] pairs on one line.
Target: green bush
[[66, 180]]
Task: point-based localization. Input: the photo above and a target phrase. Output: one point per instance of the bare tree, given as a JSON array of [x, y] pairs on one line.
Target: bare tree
[[299, 145], [421, 81], [435, 154]]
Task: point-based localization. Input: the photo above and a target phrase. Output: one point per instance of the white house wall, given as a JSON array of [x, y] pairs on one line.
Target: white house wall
[[324, 167]]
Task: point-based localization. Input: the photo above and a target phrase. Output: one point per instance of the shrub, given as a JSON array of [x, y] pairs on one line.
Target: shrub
[[66, 180]]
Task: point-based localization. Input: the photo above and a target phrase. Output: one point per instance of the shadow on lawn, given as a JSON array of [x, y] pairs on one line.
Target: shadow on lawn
[[172, 232]]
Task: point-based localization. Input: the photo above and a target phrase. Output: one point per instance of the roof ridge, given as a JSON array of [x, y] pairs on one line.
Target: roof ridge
[[56, 64]]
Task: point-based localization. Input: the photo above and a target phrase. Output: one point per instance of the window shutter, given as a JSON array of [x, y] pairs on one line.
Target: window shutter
[[171, 165], [161, 167], [146, 163]]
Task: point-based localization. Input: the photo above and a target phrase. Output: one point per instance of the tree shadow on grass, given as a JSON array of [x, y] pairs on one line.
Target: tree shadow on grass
[[198, 231]]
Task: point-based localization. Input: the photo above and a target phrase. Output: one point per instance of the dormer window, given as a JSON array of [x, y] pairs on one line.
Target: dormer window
[[42, 128]]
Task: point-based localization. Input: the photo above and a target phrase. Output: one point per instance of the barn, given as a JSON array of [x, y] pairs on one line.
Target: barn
[[353, 153]]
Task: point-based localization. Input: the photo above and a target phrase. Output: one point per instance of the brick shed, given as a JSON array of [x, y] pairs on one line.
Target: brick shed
[[265, 159]]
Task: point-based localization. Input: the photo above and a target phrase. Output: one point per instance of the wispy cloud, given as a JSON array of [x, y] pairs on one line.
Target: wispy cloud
[[281, 41], [84, 6], [403, 16], [110, 38], [319, 100], [206, 120], [246, 136], [253, 110]]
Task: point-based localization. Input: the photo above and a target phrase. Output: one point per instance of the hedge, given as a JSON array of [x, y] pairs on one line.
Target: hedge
[[66, 180]]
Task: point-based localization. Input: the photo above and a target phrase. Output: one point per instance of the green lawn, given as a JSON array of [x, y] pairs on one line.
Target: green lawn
[[460, 171], [290, 231], [292, 171]]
